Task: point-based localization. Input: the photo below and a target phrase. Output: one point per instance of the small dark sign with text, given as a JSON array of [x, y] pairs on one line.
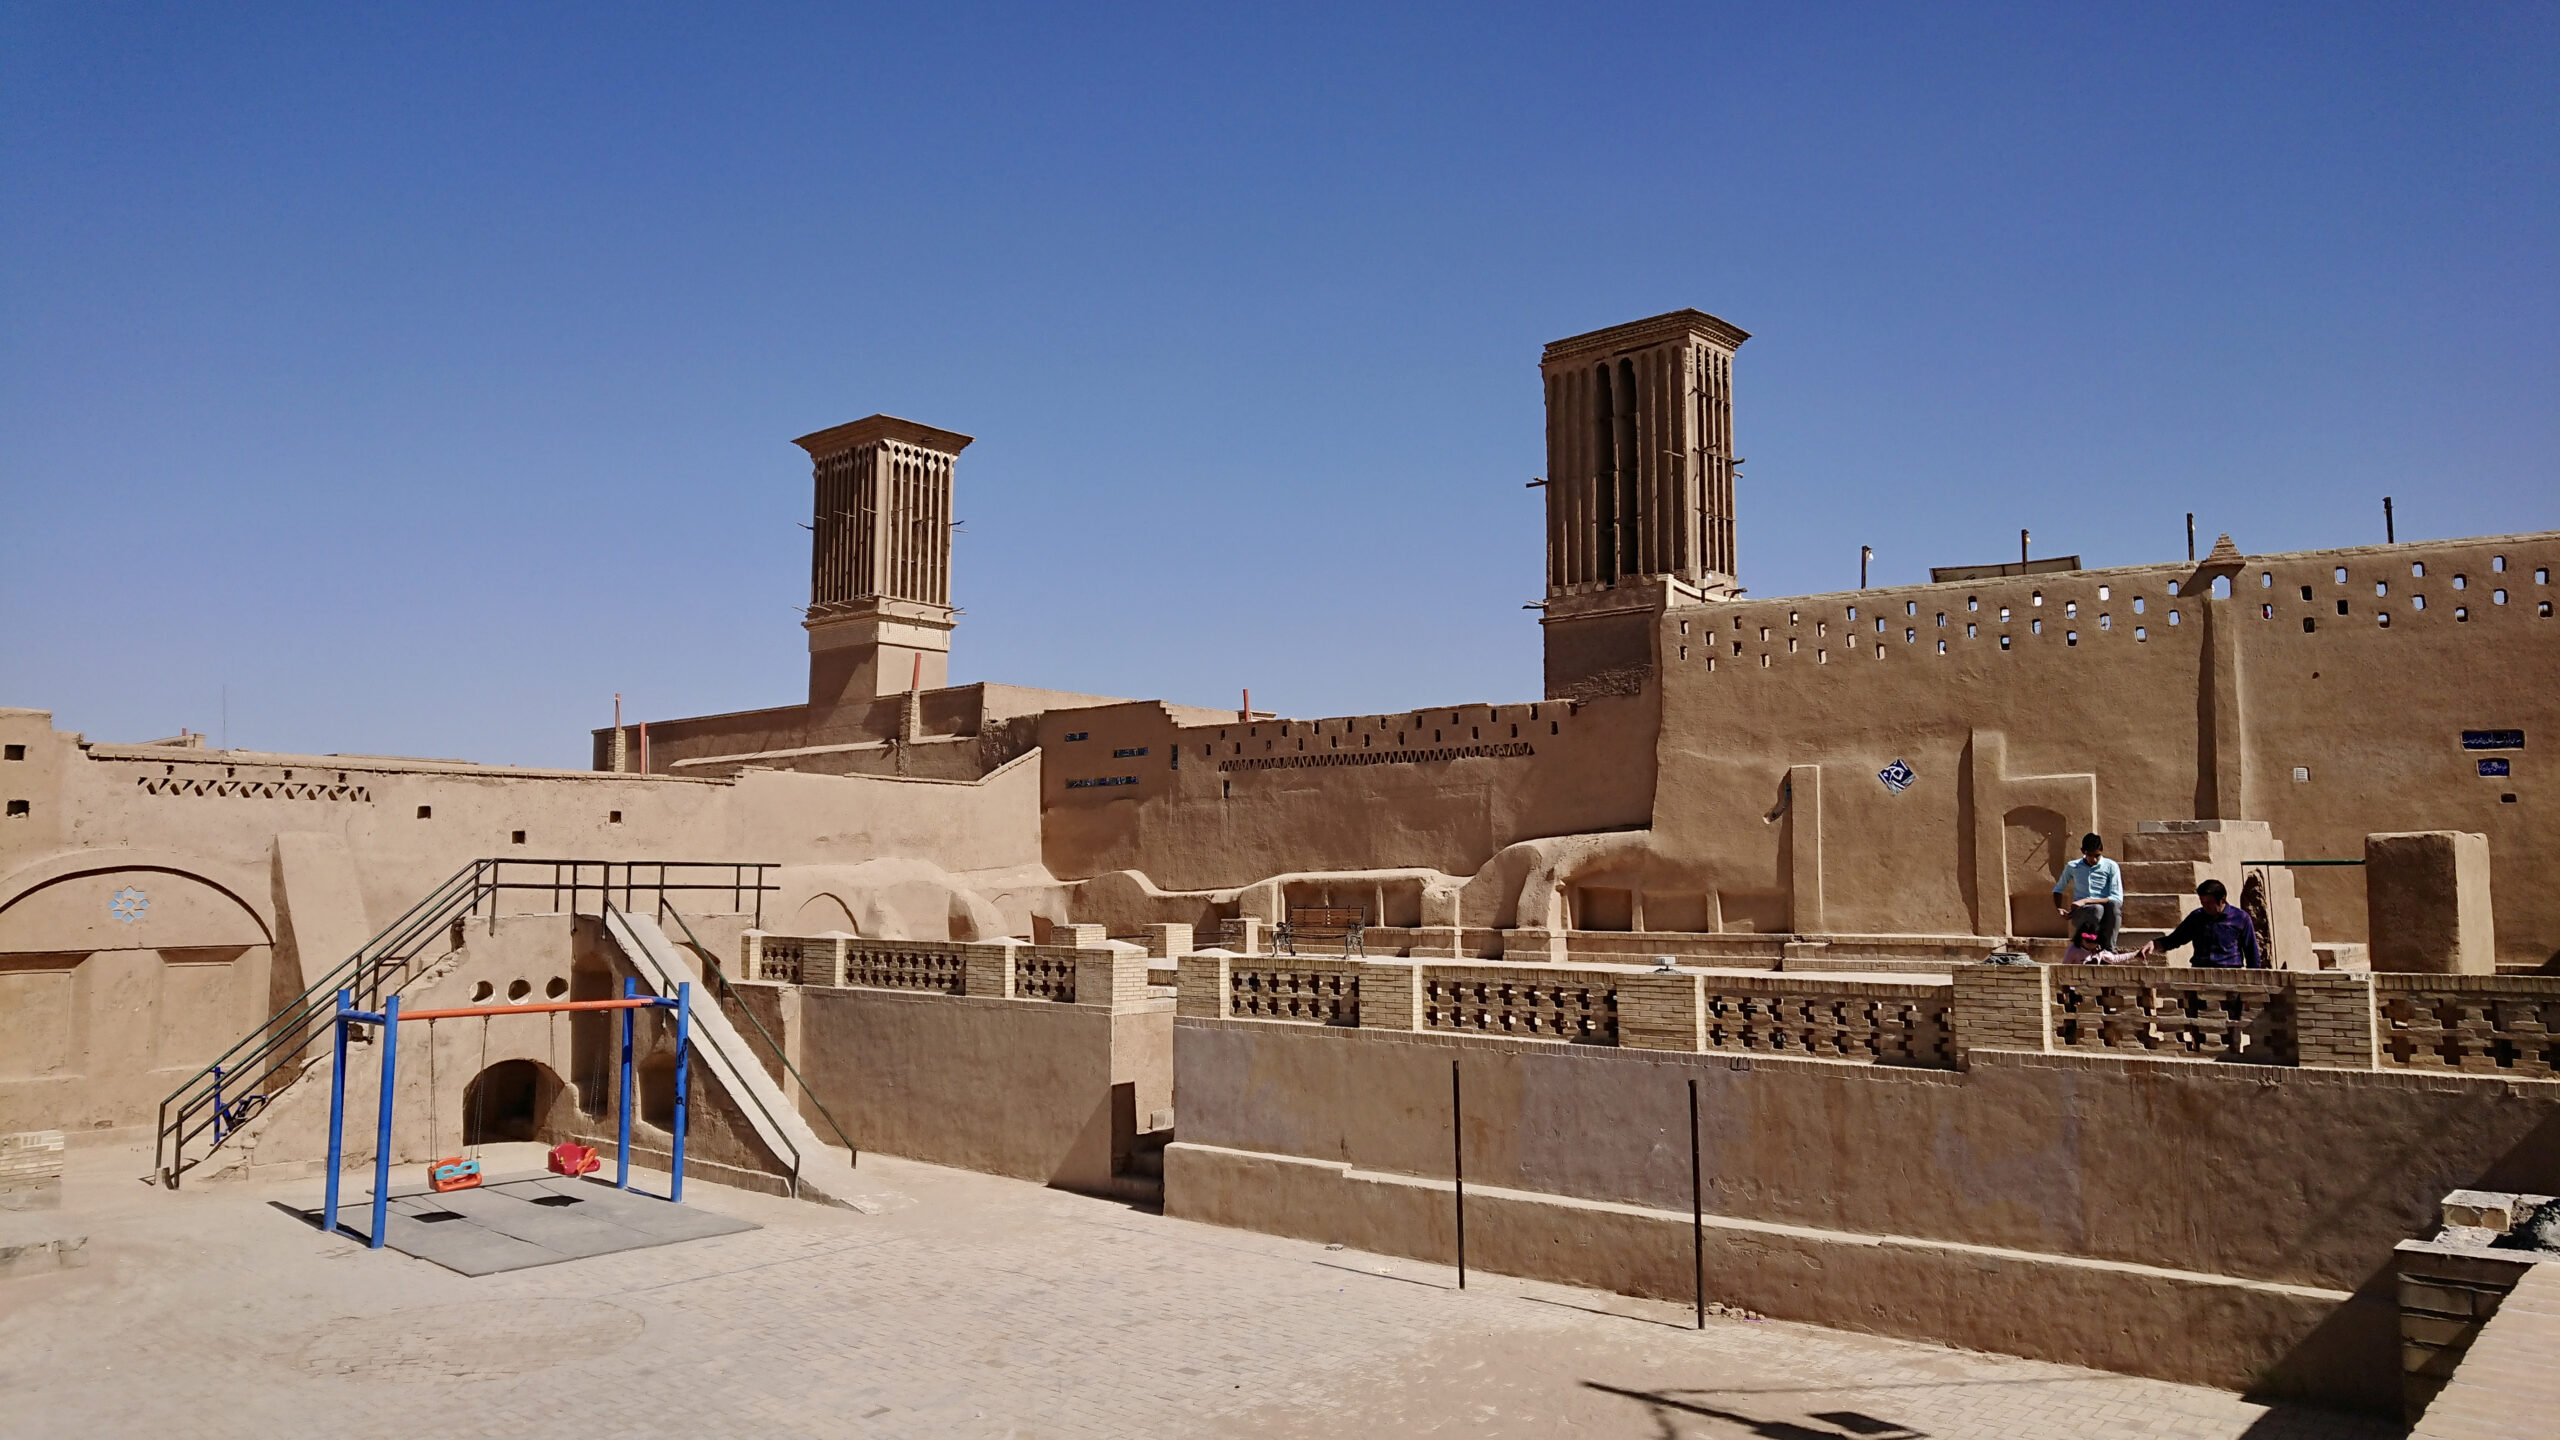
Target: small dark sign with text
[[2492, 739]]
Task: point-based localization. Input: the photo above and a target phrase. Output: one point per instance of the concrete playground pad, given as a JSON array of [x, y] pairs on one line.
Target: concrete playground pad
[[948, 1303], [519, 1223]]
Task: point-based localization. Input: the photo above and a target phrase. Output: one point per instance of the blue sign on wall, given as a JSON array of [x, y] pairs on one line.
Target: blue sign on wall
[[2492, 739], [1897, 777], [2493, 767]]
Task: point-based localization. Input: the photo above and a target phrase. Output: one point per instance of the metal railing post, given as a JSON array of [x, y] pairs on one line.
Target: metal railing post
[[337, 1116], [382, 1127], [1458, 1166], [1697, 1211], [622, 1143], [684, 1037]]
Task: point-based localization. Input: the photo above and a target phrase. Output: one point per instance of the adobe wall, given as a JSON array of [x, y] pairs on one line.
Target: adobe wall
[[259, 870], [1129, 787], [2199, 1221], [1037, 1090], [2186, 706]]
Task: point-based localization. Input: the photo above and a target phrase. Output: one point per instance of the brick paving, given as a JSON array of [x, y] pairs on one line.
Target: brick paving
[[966, 1305]]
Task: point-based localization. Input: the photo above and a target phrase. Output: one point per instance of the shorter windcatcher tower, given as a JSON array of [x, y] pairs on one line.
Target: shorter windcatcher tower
[[880, 613], [1640, 481]]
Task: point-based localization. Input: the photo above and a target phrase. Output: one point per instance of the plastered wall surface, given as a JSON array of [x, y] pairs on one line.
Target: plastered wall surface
[[1004, 1086], [2278, 1181], [2212, 716]]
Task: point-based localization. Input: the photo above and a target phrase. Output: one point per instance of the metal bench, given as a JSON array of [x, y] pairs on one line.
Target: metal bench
[[1322, 923]]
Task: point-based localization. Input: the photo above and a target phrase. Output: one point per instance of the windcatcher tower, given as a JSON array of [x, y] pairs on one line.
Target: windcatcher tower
[[880, 559], [1640, 471]]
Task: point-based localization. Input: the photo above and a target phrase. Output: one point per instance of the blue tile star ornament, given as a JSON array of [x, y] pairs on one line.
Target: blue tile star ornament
[[128, 904]]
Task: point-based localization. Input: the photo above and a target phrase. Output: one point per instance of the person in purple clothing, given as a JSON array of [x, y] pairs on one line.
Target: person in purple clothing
[[2224, 937]]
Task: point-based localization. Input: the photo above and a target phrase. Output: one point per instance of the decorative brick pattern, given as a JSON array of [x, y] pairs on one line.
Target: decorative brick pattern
[[1541, 1003], [1042, 972], [1881, 1023], [2164, 1010], [1305, 990], [899, 965], [2483, 1024]]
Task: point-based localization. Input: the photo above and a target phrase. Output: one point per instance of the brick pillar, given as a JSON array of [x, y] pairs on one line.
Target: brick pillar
[[2426, 903], [1390, 995], [1200, 987], [1112, 979], [1662, 1011], [751, 955], [2333, 1021], [1438, 942], [1249, 936], [2001, 1007], [1080, 937], [1168, 941], [822, 960], [986, 969], [1547, 945]]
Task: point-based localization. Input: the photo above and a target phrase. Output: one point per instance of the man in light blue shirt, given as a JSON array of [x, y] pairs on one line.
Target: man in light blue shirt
[[2092, 877]]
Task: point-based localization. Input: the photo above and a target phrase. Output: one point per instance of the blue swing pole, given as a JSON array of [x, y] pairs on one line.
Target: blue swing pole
[[382, 1129], [684, 1055], [622, 1144], [337, 1113]]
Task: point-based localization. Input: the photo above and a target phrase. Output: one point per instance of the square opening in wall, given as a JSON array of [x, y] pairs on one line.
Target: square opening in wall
[[518, 837], [426, 812], [613, 817], [2301, 773], [17, 808], [15, 752]]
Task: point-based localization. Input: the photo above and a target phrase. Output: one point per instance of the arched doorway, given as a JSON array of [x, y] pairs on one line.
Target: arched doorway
[[508, 1101]]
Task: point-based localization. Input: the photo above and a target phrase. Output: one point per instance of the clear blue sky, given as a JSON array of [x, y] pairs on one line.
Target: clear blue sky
[[426, 375]]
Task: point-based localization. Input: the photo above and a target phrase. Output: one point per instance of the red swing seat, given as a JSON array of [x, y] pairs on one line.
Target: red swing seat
[[573, 1160]]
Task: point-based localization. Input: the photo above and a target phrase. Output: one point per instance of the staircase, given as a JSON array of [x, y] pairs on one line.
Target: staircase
[[2165, 860], [1141, 1180], [817, 1173], [224, 1100]]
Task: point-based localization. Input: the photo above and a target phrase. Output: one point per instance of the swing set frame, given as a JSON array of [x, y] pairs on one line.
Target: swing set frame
[[389, 1019]]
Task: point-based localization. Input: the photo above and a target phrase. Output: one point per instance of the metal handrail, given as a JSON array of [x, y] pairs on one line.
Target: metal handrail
[[720, 978], [278, 1041]]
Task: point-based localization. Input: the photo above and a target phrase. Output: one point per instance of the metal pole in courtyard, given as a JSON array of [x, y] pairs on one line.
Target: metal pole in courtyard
[[1458, 1166], [684, 1037], [382, 1128], [337, 1114], [622, 1143], [2390, 536], [1697, 1211]]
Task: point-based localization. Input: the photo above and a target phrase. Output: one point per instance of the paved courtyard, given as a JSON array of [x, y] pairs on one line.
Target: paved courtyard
[[960, 1304]]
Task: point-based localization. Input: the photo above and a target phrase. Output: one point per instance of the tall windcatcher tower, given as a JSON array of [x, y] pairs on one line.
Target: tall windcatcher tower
[[1640, 471], [880, 611]]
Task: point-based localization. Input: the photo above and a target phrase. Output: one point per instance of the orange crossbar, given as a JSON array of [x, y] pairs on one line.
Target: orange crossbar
[[642, 1002]]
